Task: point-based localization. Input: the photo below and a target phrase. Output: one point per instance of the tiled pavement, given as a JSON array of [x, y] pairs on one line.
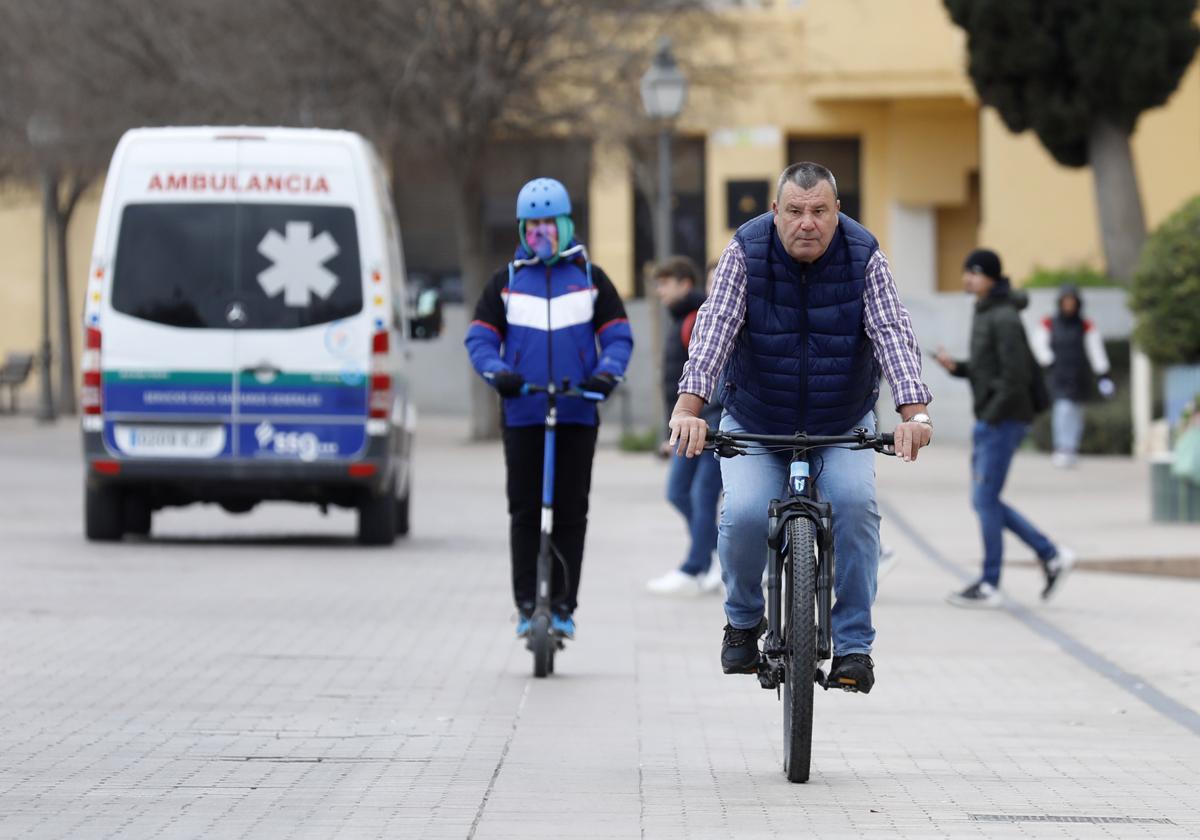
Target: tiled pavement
[[229, 678]]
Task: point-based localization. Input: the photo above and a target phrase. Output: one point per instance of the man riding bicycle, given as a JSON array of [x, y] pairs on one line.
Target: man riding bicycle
[[547, 316], [803, 317]]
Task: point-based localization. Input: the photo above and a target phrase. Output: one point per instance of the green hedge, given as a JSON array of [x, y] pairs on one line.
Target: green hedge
[[1165, 294], [1081, 276], [1107, 424]]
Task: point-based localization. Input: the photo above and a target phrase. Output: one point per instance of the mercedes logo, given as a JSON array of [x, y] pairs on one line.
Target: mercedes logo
[[235, 314]]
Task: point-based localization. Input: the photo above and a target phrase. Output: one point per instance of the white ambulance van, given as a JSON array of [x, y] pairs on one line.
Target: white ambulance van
[[245, 330]]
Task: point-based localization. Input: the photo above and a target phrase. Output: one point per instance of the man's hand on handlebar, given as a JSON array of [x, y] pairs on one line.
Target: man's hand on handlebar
[[911, 436], [688, 429]]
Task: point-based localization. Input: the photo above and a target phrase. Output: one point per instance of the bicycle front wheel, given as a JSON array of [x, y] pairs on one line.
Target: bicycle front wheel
[[800, 638]]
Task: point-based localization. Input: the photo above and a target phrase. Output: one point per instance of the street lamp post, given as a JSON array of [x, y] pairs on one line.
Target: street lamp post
[[41, 133], [664, 91]]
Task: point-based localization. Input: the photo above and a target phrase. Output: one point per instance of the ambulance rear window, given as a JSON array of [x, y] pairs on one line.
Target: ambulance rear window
[[249, 266]]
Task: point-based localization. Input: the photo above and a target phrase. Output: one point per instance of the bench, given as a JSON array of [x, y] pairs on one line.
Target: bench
[[16, 370]]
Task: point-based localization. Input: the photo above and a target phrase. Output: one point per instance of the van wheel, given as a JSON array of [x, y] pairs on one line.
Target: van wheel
[[103, 519], [402, 504], [136, 514], [377, 519]]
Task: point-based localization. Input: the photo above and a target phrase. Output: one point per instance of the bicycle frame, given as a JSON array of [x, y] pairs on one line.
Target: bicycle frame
[[802, 502]]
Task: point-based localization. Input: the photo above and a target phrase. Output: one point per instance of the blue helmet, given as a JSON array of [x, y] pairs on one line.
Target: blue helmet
[[543, 198]]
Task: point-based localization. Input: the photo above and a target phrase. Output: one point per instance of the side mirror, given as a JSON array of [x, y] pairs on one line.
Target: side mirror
[[426, 322]]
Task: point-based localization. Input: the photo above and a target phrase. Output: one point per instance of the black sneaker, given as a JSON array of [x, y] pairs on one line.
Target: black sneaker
[[980, 595], [852, 672], [739, 650]]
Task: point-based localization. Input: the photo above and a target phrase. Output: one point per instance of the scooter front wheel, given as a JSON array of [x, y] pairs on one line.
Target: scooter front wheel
[[542, 643]]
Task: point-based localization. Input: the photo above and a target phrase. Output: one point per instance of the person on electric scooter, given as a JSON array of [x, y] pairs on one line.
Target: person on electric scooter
[[803, 317], [547, 316]]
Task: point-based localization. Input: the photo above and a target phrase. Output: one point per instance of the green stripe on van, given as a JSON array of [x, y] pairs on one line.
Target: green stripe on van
[[163, 377], [326, 379]]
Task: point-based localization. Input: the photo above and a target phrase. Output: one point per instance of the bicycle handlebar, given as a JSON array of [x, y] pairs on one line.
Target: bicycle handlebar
[[730, 444]]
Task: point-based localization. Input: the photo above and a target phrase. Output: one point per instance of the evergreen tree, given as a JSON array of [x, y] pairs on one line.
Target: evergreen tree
[[1079, 74]]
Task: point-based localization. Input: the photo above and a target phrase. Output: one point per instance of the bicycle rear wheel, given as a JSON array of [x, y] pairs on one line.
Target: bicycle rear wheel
[[542, 643], [800, 638]]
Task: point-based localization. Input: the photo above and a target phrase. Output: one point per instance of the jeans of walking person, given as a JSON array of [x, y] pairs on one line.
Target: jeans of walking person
[[991, 456], [846, 480], [1067, 421], [694, 488]]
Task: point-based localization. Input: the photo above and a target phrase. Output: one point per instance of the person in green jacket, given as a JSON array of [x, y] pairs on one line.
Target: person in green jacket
[[1004, 383]]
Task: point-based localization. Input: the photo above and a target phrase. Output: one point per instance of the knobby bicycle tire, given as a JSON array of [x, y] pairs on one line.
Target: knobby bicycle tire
[[800, 637]]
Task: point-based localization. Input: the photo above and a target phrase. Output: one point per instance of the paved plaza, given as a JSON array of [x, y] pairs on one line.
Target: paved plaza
[[263, 676]]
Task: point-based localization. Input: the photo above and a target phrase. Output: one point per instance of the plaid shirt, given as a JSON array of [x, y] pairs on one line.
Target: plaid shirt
[[724, 313]]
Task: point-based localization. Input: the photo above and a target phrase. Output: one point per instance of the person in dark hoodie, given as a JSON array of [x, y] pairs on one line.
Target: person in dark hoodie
[[1074, 350], [693, 484], [1003, 377]]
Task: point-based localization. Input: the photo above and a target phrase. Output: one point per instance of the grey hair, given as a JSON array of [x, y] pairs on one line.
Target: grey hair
[[805, 175]]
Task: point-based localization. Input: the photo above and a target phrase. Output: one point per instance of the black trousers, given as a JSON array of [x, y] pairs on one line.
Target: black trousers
[[524, 448]]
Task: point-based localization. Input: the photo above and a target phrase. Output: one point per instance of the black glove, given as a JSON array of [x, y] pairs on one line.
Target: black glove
[[600, 383], [507, 383]]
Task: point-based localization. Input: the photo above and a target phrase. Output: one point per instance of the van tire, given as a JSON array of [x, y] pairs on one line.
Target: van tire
[[377, 519], [136, 514], [103, 518], [402, 504]]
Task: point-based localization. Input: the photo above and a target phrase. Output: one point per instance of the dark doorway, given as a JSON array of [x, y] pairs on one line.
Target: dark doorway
[[841, 156], [688, 212]]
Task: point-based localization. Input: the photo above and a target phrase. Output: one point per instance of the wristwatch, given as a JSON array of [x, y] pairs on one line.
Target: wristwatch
[[920, 417]]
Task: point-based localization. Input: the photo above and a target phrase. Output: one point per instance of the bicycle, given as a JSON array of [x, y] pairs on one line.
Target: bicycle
[[542, 641], [800, 542]]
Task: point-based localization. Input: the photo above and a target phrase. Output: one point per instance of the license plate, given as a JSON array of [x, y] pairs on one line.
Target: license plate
[[170, 441]]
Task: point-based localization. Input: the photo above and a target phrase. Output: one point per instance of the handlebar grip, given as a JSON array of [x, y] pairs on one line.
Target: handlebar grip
[[887, 439]]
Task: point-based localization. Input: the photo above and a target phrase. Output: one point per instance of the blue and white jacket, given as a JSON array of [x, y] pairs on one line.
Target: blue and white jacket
[[550, 322]]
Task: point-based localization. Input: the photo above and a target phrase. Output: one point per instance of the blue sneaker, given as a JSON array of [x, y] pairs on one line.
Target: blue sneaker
[[563, 625], [523, 625]]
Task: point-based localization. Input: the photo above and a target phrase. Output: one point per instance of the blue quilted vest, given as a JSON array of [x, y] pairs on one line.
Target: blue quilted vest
[[803, 361]]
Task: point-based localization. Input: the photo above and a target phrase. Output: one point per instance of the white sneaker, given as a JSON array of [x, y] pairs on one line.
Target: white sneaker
[[711, 580], [675, 582], [1057, 571], [887, 560], [1063, 460]]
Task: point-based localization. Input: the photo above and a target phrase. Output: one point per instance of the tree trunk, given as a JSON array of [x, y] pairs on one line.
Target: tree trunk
[[1123, 233], [484, 406], [1122, 224], [62, 214]]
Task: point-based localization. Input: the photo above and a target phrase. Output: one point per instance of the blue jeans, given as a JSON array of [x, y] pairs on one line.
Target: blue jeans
[[994, 447], [694, 488], [845, 479], [1068, 425]]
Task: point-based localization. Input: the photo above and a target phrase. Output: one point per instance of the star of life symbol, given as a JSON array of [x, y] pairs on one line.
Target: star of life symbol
[[264, 432], [299, 264]]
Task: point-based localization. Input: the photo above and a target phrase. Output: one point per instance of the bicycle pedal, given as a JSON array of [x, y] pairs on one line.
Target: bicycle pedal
[[821, 678]]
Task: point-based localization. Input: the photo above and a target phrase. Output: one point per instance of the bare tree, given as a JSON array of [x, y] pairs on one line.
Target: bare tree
[[446, 76]]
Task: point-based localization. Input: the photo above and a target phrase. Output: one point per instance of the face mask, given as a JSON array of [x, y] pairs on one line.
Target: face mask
[[542, 239]]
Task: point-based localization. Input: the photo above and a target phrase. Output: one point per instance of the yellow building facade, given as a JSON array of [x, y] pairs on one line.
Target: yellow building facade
[[879, 84]]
